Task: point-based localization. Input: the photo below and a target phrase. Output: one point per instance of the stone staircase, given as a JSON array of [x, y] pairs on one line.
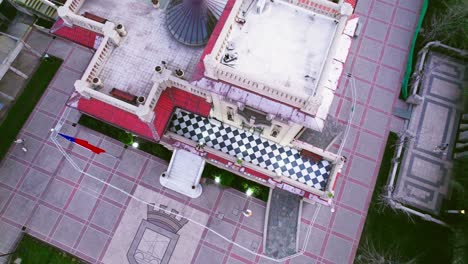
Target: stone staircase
[[282, 224], [39, 8]]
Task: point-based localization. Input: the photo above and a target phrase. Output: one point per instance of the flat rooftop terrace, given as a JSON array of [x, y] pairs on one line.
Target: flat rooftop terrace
[[285, 45], [147, 43]]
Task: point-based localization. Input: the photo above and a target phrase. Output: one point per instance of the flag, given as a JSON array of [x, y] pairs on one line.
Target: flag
[[83, 143]]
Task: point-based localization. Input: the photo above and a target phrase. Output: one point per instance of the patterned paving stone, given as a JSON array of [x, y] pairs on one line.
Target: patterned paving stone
[[394, 57], [346, 222], [82, 204], [355, 195], [32, 146], [48, 159], [115, 150], [389, 78], [364, 69], [363, 7], [400, 37], [10, 237], [106, 215], [370, 49], [369, 145], [257, 220], [64, 80], [406, 19], [231, 206], [34, 183], [92, 184], [224, 228], [43, 220], [40, 125], [152, 172], [247, 240], [79, 59], [382, 99], [67, 171], [362, 169], [5, 194], [208, 197], [53, 102], [11, 172], [122, 184], [411, 5], [316, 238], [92, 243], [302, 260], [376, 121], [345, 111], [382, 11], [131, 164], [376, 29], [60, 48], [39, 41], [208, 255], [19, 209], [337, 249], [57, 193], [67, 231]]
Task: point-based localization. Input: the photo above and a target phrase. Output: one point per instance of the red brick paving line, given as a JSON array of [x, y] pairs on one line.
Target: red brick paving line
[[374, 178], [236, 231], [205, 231], [331, 222], [122, 212]]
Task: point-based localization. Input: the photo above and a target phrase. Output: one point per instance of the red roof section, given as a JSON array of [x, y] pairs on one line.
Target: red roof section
[[200, 68], [114, 116], [173, 97], [169, 99], [76, 34], [352, 2]]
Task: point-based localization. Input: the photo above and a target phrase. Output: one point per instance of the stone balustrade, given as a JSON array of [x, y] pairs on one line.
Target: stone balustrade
[[98, 61]]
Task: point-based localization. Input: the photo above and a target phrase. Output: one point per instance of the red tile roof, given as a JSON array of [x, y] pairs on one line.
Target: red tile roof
[[169, 99], [76, 34], [200, 68], [114, 116], [352, 2], [173, 97]]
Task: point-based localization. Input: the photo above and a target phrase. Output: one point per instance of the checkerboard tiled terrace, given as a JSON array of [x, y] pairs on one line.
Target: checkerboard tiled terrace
[[60, 213]]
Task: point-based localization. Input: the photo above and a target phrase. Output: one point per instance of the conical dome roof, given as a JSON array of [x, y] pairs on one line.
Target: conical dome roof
[[191, 22]]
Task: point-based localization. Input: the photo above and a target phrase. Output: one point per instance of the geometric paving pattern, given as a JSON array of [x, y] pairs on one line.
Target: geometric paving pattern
[[251, 148]]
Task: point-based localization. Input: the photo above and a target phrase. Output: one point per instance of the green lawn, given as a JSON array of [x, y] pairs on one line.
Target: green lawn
[[228, 179], [26, 102], [34, 251], [393, 234]]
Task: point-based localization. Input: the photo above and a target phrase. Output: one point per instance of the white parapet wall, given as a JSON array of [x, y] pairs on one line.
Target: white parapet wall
[[312, 104]]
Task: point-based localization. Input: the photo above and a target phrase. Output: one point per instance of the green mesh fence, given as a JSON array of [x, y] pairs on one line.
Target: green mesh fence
[[409, 65]]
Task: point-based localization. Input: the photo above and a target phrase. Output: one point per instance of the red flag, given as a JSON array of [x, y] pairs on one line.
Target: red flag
[[85, 144]]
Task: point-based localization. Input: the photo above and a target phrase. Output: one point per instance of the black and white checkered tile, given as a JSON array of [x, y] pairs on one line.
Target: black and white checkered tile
[[252, 148]]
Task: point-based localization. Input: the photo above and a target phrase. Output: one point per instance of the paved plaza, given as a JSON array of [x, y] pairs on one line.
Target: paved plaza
[[424, 176], [40, 190]]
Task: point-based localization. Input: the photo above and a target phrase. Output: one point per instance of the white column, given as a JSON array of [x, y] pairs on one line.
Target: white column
[[217, 107], [291, 133]]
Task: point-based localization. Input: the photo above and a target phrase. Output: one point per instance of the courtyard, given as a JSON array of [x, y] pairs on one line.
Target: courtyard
[[42, 192]]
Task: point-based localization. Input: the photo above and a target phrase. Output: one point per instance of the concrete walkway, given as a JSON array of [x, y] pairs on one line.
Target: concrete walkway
[[41, 184], [283, 216]]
